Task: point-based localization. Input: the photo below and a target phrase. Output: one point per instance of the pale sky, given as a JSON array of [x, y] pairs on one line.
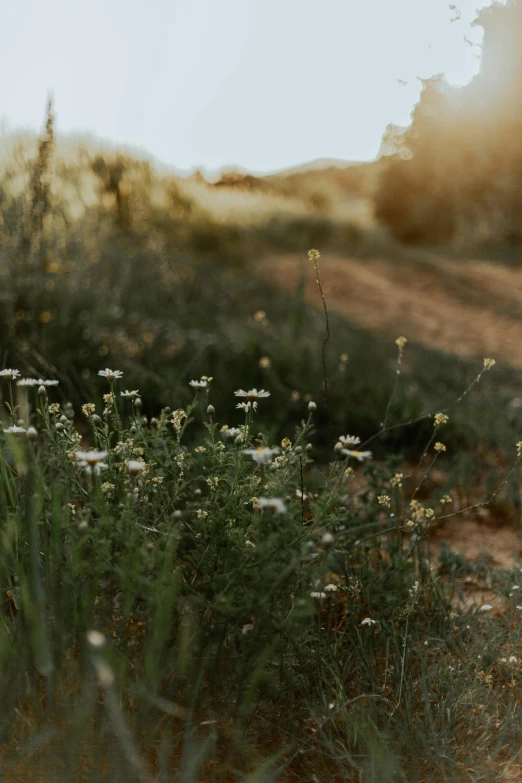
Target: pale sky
[[261, 84]]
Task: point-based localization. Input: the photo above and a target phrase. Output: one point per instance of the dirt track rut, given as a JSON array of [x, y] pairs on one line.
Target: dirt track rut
[[468, 308]]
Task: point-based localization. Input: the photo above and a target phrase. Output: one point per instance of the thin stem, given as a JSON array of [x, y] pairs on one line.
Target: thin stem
[[302, 486], [13, 411], [314, 256], [394, 390], [424, 416], [116, 411], [403, 664]]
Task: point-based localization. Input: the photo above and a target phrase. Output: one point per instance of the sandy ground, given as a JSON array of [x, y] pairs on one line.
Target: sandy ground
[[469, 308]]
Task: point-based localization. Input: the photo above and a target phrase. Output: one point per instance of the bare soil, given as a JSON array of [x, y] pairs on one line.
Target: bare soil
[[465, 307]]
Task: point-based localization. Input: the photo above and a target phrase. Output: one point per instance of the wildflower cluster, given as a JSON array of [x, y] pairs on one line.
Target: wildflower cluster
[[167, 519]]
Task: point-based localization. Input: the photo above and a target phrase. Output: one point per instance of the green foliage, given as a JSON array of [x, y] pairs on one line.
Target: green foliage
[[228, 578], [165, 603]]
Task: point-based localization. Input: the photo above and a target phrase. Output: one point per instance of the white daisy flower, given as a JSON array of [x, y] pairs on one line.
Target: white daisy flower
[[199, 384], [330, 588], [135, 466], [359, 455], [9, 375], [111, 375], [275, 504], [28, 382], [92, 461], [230, 432], [15, 430], [91, 457], [317, 595], [130, 395], [485, 608], [261, 455], [32, 432], [368, 621], [46, 384], [512, 659], [245, 406], [347, 441], [253, 394]]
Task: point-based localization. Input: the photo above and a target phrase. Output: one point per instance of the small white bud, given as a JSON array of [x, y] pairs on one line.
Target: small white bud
[[137, 402], [105, 674], [211, 410], [312, 406], [41, 390], [96, 639], [327, 539]]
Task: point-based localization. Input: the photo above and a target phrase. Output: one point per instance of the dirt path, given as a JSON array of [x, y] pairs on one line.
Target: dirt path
[[468, 308]]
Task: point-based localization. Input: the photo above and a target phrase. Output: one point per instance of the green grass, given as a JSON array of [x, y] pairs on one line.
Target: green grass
[[217, 662], [206, 605]]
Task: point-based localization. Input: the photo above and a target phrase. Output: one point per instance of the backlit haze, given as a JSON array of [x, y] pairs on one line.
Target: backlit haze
[[257, 84]]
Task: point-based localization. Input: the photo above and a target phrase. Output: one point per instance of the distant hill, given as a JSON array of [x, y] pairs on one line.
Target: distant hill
[[314, 165], [332, 188]]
